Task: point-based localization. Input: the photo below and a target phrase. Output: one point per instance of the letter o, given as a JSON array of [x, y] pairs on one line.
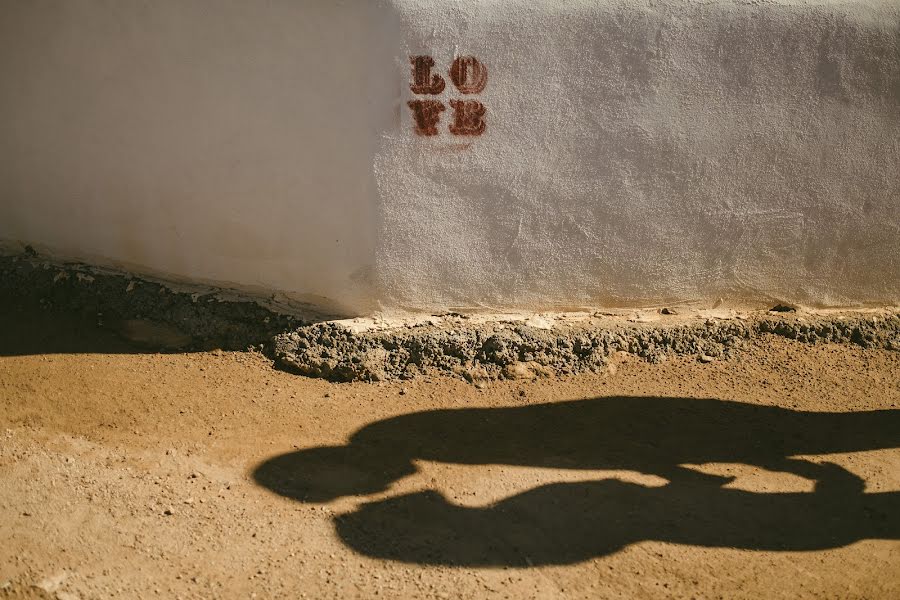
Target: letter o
[[468, 74]]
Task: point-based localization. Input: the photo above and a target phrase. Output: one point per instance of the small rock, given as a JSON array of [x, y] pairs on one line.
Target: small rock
[[51, 584], [480, 385], [518, 371], [540, 370], [472, 373], [402, 391], [669, 311], [705, 358], [782, 308], [168, 512]]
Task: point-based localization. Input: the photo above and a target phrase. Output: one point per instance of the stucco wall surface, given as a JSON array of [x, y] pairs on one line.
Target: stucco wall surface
[[587, 152], [646, 152]]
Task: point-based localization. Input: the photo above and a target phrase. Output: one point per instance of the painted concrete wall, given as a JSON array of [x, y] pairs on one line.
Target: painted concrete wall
[[590, 153]]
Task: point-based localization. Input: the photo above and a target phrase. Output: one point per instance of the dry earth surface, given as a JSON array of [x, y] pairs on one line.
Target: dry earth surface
[[131, 474]]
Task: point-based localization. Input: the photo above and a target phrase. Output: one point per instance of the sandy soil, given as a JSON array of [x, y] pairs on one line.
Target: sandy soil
[[210, 475]]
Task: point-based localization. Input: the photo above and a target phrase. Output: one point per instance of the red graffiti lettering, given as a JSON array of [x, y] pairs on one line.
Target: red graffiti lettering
[[423, 80], [469, 75], [468, 117], [427, 114]]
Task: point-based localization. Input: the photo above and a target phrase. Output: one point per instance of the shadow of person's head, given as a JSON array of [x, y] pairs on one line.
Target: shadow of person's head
[[326, 473]]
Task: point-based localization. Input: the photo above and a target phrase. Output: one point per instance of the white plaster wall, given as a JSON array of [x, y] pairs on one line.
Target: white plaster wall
[[226, 141], [645, 152], [635, 152]]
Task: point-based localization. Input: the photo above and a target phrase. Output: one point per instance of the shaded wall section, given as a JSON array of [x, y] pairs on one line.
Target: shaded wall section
[[227, 141]]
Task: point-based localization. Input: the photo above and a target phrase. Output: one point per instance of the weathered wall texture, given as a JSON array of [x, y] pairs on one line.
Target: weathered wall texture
[[646, 152], [631, 153]]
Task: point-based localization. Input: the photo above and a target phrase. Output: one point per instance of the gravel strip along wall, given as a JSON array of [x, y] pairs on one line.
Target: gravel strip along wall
[[515, 351], [159, 316], [150, 313]]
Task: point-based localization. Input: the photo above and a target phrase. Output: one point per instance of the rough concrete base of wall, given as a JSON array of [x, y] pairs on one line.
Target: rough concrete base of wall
[[153, 315], [158, 316], [513, 350]]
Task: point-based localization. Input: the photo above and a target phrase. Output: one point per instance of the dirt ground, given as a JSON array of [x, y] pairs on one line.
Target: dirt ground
[[131, 474]]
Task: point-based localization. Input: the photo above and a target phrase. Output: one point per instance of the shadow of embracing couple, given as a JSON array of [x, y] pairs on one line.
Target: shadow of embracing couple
[[563, 523]]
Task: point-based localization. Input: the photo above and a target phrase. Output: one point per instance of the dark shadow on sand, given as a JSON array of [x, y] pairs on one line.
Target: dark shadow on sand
[[569, 522], [28, 327], [33, 330]]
